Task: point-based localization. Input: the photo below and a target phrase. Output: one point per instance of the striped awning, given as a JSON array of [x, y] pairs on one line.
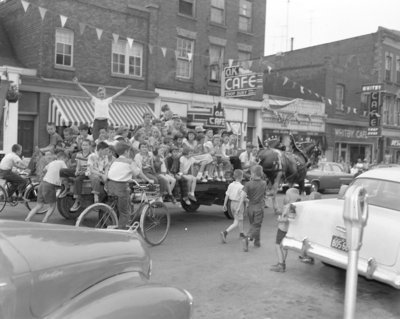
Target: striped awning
[[68, 110]]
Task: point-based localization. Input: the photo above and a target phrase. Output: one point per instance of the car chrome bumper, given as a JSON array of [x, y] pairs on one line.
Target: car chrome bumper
[[366, 268]]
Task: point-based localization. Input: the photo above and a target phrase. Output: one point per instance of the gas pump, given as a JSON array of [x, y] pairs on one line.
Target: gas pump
[[355, 215]]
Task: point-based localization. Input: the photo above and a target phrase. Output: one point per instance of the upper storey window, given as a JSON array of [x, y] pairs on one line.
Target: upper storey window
[[184, 62], [64, 47], [127, 60], [186, 7], [218, 11], [245, 15]]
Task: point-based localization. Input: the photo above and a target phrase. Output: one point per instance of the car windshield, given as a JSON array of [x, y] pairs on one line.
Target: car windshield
[[380, 192]]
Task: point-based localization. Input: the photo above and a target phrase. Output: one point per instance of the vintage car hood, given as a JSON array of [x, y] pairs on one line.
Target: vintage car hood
[[63, 261], [320, 220]]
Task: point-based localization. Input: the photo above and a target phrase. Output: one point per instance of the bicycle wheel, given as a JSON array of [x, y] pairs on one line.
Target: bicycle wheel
[[154, 223], [30, 196], [97, 215], [3, 198]]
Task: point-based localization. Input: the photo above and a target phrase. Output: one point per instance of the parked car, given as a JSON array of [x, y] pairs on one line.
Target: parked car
[[53, 271], [384, 165], [328, 175], [317, 228]]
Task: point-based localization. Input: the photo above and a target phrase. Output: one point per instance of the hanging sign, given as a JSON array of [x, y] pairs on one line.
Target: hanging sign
[[217, 119], [238, 82]]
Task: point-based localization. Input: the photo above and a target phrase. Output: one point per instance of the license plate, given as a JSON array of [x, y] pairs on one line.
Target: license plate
[[339, 243]]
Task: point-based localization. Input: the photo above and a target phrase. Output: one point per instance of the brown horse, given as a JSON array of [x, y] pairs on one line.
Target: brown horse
[[291, 167]]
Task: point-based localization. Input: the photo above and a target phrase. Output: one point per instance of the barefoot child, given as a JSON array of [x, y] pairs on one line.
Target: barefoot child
[[292, 195], [234, 193], [47, 187]]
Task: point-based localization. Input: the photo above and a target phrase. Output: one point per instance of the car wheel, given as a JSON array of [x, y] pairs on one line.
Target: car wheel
[[64, 205], [314, 187], [190, 208]]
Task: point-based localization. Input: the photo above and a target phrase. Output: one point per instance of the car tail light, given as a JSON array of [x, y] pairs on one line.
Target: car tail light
[[292, 212]]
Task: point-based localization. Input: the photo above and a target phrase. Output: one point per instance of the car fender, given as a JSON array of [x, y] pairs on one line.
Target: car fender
[[127, 296]]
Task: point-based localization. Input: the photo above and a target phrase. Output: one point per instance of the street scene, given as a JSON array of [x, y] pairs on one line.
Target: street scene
[[199, 159]]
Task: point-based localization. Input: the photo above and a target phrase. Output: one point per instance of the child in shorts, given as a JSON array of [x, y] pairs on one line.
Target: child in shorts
[[255, 191], [292, 195], [47, 188], [234, 194]]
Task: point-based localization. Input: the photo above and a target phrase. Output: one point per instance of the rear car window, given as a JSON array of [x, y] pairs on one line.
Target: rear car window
[[381, 193]]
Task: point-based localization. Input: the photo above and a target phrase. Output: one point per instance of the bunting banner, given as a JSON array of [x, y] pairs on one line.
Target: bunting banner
[[249, 63], [130, 42], [42, 12], [25, 5], [115, 37], [99, 33], [63, 20], [355, 110], [82, 27]]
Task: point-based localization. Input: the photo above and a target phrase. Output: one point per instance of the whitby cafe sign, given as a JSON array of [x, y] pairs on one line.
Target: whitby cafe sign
[[238, 82], [374, 106]]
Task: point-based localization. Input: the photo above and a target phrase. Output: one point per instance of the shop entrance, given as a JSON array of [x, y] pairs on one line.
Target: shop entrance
[[356, 152], [26, 128]]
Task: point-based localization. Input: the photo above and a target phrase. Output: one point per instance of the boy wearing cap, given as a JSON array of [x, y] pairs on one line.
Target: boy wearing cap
[[101, 106]]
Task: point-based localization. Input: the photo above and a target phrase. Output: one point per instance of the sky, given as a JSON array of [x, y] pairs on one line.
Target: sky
[[313, 22]]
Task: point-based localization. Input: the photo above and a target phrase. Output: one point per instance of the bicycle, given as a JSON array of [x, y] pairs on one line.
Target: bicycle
[[29, 195], [151, 217]]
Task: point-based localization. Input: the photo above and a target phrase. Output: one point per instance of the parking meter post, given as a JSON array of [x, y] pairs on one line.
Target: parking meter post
[[355, 215]]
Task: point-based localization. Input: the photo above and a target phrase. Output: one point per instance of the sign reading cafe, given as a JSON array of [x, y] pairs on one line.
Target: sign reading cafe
[[238, 82]]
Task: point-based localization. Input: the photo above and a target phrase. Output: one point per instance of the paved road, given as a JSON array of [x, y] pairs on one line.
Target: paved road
[[229, 283]]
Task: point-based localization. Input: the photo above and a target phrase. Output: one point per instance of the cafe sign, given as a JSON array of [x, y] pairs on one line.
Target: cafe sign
[[240, 83], [351, 133]]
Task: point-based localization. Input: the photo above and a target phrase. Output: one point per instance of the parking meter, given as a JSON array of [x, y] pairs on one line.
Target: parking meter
[[355, 215]]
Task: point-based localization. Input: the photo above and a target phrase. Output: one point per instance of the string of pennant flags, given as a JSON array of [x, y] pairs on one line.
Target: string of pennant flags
[[249, 63]]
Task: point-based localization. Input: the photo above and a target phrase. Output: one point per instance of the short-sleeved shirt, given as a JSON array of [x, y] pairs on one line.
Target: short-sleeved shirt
[[101, 108], [55, 138], [255, 191], [9, 161], [234, 191], [246, 158], [52, 175]]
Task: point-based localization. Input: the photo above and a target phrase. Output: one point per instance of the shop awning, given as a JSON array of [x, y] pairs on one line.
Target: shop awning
[[67, 110]]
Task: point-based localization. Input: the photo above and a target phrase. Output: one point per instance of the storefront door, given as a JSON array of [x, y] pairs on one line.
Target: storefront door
[[356, 152], [25, 136]]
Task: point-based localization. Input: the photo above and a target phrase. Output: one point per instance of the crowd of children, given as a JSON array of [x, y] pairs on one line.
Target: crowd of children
[[165, 151]]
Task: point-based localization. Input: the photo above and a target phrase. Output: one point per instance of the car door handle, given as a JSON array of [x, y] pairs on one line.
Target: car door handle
[[342, 229]]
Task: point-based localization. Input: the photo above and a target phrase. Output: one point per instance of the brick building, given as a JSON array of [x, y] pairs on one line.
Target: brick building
[[342, 72], [170, 52]]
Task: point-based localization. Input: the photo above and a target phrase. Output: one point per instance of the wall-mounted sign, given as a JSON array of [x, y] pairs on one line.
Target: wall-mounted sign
[[371, 87], [351, 133], [374, 131], [374, 109], [212, 116], [238, 82]]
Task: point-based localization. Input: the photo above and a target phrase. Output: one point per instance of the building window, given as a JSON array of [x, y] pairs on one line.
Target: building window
[[186, 7], [127, 60], [339, 98], [184, 62], [64, 47], [388, 68], [216, 59], [218, 11], [245, 15], [398, 70], [397, 112], [244, 59]]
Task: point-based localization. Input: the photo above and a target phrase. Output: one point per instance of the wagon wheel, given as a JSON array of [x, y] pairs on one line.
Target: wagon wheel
[[228, 213], [64, 205], [190, 208]]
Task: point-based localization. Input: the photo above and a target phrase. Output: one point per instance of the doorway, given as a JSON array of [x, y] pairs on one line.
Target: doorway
[[26, 129]]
